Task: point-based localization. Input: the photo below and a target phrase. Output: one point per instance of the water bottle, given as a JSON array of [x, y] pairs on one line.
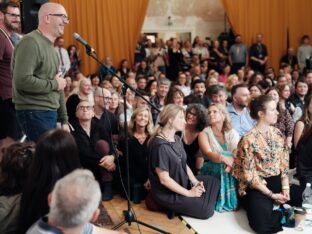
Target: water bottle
[[307, 201]]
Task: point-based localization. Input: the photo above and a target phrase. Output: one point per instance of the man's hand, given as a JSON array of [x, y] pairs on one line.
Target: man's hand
[[107, 162], [65, 127], [61, 82]]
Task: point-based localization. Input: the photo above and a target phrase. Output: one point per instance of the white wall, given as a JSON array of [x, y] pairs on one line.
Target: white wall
[[200, 17]]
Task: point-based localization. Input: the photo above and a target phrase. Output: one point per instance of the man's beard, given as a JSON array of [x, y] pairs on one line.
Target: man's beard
[[200, 94], [241, 105], [9, 26]]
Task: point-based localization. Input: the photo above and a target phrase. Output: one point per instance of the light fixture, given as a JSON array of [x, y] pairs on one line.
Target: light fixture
[[169, 21]]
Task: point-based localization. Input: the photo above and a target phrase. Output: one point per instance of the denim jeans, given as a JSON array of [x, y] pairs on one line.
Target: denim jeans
[[35, 122]]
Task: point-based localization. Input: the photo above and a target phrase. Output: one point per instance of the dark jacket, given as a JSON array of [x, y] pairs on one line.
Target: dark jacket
[[304, 160]]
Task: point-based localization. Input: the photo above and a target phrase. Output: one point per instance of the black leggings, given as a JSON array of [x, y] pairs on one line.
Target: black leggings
[[260, 214]]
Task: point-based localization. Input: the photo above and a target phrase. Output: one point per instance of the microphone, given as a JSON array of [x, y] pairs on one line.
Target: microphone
[[77, 37]]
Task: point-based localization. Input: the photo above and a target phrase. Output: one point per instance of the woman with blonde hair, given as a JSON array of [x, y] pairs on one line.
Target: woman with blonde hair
[[83, 92], [108, 85], [174, 186], [140, 129], [231, 81], [218, 142], [211, 81]]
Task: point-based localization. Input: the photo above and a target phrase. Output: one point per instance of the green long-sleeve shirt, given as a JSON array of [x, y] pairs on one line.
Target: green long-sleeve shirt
[[34, 66]]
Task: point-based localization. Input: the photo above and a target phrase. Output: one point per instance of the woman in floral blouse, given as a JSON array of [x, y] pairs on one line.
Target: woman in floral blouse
[[261, 167]]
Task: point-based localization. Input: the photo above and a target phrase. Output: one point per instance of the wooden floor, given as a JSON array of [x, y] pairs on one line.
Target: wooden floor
[[159, 220]]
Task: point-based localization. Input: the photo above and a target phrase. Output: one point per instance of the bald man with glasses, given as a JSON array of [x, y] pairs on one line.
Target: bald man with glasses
[[37, 81]]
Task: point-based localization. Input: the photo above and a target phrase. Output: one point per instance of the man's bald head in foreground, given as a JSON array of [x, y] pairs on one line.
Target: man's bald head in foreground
[[52, 19]]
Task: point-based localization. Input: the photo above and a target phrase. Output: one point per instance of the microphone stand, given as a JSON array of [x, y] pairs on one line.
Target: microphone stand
[[129, 216]]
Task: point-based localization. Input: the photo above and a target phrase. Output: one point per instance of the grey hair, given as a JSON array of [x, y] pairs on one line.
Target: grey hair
[[164, 82], [75, 197]]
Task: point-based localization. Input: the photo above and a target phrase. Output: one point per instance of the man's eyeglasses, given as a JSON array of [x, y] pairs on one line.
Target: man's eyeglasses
[[106, 98], [12, 15], [85, 108], [64, 17]]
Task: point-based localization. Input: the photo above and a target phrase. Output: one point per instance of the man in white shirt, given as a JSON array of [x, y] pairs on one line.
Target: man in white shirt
[[62, 54], [304, 52]]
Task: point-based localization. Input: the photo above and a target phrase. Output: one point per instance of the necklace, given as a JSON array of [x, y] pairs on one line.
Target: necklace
[[141, 138], [163, 136], [218, 135], [179, 151]]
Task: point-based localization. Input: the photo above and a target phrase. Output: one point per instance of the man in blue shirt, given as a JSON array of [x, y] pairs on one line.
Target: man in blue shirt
[[238, 111]]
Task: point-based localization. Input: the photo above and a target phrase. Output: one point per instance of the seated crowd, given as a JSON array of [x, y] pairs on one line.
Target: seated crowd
[[222, 132]]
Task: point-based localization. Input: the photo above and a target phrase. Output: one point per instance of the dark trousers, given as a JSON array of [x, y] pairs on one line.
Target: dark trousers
[[8, 123], [34, 122], [259, 208], [197, 207], [257, 67], [236, 67]]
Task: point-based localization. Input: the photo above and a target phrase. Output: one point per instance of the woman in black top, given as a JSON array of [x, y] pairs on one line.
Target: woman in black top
[[75, 61], [123, 68], [140, 129], [173, 184], [195, 122], [83, 93], [302, 139]]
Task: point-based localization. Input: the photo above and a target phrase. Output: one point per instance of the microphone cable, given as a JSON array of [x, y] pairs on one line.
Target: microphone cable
[[115, 152]]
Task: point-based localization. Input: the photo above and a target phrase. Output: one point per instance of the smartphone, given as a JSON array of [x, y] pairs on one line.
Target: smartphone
[[62, 70]]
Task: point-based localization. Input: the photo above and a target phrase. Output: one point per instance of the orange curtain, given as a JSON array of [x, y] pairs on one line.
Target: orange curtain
[[111, 27], [248, 18], [299, 20]]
